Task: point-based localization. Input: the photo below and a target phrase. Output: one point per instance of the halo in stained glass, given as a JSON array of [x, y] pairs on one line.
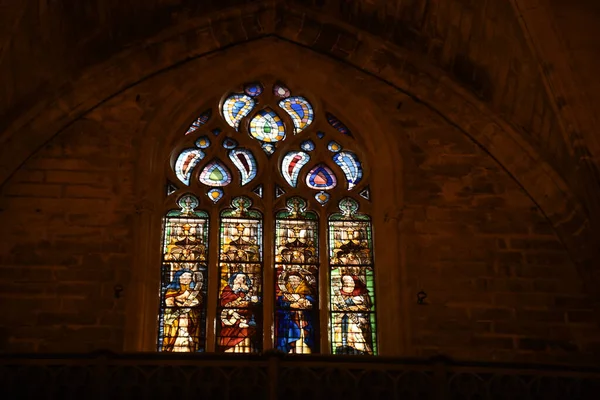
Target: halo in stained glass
[[280, 90], [321, 178], [203, 142], [215, 174], [299, 110], [334, 122], [236, 107], [186, 161], [322, 197], [215, 194], [307, 145], [291, 165], [365, 193], [258, 191], [201, 120], [268, 148], [244, 161], [229, 143], [279, 191], [320, 135], [266, 126], [334, 146], [350, 164], [253, 89], [216, 131]]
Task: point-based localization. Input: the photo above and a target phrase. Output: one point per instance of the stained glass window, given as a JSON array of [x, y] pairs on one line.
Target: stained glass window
[[291, 165], [300, 110], [236, 107], [239, 326], [215, 174], [297, 189], [266, 126], [185, 164], [296, 288], [352, 295], [350, 164], [182, 316]]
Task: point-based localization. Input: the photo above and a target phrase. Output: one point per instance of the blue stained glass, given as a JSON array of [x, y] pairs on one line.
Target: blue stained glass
[[266, 126], [334, 122], [236, 107], [244, 160], [307, 145], [321, 177], [201, 120], [203, 142], [291, 165], [215, 174], [215, 194], [350, 164], [230, 143], [268, 148], [334, 146], [300, 110], [216, 131], [320, 135], [186, 162], [253, 89], [322, 197]]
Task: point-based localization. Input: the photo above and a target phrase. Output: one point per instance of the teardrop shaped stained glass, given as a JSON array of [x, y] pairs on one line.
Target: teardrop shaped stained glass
[[186, 161], [334, 122], [215, 174], [215, 194], [321, 178], [236, 107], [291, 165], [244, 160], [280, 90], [266, 126], [300, 110], [201, 120], [350, 164]]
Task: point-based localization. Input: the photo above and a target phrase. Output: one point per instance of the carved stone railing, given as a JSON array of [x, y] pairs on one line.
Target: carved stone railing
[[228, 377]]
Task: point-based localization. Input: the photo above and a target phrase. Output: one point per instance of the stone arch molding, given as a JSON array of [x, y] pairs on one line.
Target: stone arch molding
[[402, 71]]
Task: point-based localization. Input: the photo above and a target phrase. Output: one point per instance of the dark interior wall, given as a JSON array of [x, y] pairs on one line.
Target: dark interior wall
[[501, 285]]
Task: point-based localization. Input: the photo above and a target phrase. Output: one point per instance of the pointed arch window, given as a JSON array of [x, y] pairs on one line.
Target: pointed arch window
[[267, 239]]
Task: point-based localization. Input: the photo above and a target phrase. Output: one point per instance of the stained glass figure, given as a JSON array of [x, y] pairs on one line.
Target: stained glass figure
[[244, 161], [171, 188], [320, 135], [365, 193], [236, 107], [321, 177], [280, 90], [185, 164], [258, 191], [334, 122], [322, 197], [216, 131], [239, 329], [266, 126], [291, 165], [307, 145], [350, 164], [279, 191], [268, 148], [299, 110], [215, 174], [296, 293], [334, 146], [182, 315], [203, 142], [253, 89], [201, 120], [215, 194], [229, 143], [352, 301]]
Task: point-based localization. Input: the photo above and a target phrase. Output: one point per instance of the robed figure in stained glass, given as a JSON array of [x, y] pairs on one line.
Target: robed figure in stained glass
[[237, 319], [353, 322], [182, 312], [296, 297]]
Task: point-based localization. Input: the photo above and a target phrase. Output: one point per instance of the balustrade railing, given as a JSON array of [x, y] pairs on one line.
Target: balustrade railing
[[272, 376]]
